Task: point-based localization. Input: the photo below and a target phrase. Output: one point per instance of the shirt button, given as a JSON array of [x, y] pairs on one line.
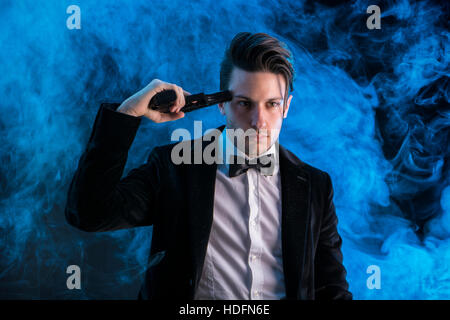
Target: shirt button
[[256, 293], [253, 257]]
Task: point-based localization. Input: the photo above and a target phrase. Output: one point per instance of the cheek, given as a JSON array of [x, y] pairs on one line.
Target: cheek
[[276, 122], [235, 110], [237, 115]]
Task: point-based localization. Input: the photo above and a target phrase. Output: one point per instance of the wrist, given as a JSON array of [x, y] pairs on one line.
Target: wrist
[[127, 111]]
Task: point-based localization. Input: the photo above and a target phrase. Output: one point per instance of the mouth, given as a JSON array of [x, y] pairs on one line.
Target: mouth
[[261, 135], [258, 136], [262, 139]]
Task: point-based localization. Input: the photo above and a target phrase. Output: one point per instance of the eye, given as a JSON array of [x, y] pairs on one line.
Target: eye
[[243, 103], [274, 104]]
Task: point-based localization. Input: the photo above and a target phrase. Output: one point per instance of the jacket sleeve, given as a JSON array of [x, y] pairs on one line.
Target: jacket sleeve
[[330, 274], [98, 199]]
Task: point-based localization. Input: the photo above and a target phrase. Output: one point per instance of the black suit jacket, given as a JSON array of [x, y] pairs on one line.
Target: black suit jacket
[[178, 201]]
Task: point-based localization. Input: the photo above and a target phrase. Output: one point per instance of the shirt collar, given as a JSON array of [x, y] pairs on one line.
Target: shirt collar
[[226, 145]]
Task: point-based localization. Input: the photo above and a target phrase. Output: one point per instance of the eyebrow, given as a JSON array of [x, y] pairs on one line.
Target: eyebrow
[[247, 98]]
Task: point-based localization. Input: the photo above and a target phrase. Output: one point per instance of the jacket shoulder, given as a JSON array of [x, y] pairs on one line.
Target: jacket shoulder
[[314, 172], [320, 180]]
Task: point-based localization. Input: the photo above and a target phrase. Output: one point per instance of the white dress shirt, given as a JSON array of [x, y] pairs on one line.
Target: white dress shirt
[[244, 258]]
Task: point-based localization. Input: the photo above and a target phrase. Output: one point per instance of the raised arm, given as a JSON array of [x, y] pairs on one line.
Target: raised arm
[[98, 199]]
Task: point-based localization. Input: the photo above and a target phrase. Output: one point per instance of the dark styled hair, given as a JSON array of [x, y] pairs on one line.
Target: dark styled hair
[[257, 52]]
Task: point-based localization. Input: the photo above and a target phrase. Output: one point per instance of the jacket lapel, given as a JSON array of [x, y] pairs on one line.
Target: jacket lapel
[[295, 189], [200, 182]]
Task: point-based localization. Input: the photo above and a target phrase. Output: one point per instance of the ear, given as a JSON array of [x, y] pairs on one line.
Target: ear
[[221, 108], [286, 110]]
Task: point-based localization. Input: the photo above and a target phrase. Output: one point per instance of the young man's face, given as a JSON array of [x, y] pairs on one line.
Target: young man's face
[[257, 104]]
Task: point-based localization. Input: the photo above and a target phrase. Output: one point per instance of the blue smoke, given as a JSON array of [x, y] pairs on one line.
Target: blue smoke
[[370, 107]]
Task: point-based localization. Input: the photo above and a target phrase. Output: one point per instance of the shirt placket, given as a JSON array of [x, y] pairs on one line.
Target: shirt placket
[[254, 258]]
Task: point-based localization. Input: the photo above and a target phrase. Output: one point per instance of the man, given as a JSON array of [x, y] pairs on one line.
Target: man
[[263, 227]]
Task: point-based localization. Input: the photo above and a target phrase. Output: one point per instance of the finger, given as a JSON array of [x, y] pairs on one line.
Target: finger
[[171, 116], [160, 86], [178, 115], [180, 98], [186, 93], [183, 100]]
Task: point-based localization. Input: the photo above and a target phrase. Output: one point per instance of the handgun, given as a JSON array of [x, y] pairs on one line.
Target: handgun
[[162, 101]]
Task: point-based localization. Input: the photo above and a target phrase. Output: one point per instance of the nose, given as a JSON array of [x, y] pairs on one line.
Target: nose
[[259, 120]]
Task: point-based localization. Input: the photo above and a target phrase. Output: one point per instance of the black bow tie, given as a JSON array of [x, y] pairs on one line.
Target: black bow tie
[[240, 165]]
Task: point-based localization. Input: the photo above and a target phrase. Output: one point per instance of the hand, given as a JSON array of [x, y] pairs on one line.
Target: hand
[[137, 104]]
